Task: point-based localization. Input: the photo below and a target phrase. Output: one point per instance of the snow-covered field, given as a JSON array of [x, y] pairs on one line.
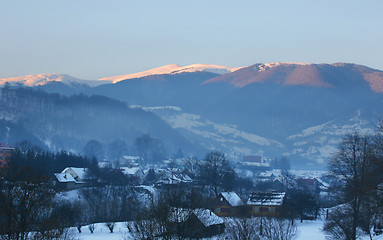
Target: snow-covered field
[[311, 230], [308, 230]]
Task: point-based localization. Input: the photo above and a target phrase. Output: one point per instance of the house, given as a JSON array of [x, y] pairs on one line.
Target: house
[[228, 204], [256, 162], [105, 164], [171, 176], [323, 186], [72, 178], [268, 175], [65, 181], [265, 203], [270, 185], [80, 174], [203, 223], [195, 224], [275, 180], [134, 173], [5, 152]]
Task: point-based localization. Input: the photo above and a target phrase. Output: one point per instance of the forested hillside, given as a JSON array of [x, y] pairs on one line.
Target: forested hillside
[[70, 122]]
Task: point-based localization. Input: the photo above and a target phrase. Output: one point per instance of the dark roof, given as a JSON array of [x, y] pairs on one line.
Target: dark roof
[[266, 198]]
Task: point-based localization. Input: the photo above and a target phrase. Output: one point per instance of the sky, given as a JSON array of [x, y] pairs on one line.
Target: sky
[[92, 39]]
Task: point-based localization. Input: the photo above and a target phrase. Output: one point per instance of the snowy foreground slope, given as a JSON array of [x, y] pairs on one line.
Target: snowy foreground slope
[[307, 230]]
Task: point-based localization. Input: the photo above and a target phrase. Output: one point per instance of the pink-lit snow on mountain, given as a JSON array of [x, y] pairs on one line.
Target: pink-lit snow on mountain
[[174, 69], [42, 79], [305, 74]]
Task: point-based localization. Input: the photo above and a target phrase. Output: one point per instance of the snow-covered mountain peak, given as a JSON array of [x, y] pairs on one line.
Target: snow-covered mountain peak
[[174, 69], [206, 68], [265, 66], [42, 79]]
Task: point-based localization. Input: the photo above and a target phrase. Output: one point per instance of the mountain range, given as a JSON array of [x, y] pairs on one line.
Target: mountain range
[[298, 110]]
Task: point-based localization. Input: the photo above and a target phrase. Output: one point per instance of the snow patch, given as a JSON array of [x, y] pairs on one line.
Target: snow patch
[[174, 69], [174, 108], [266, 66], [42, 79], [214, 136]]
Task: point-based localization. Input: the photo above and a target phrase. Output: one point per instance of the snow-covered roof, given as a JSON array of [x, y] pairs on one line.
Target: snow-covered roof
[[65, 177], [131, 157], [78, 173], [207, 217], [266, 198], [257, 164], [104, 164], [269, 174], [232, 198], [172, 176], [324, 184], [308, 173], [130, 170]]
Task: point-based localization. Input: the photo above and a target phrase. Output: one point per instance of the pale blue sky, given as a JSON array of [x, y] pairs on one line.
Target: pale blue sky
[[92, 39]]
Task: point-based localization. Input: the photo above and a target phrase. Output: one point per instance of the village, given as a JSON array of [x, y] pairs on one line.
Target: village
[[181, 198], [268, 193]]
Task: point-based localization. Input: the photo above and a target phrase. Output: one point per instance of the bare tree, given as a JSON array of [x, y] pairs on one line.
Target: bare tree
[[279, 229], [25, 206], [150, 149], [338, 223], [144, 230], [212, 170], [69, 234], [110, 226], [92, 227], [56, 234], [353, 169], [243, 228]]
